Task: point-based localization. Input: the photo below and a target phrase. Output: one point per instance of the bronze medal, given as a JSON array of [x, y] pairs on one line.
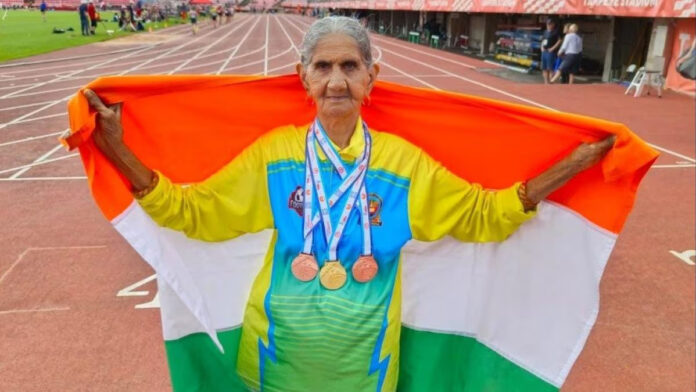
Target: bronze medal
[[304, 267], [332, 275], [365, 269]]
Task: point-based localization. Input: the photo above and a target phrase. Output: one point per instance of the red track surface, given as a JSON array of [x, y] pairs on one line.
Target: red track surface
[[63, 327]]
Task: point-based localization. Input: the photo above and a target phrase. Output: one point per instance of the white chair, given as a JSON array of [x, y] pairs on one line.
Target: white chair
[[649, 75]]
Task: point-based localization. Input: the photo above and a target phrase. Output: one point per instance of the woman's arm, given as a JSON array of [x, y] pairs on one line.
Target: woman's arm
[[583, 157], [441, 203], [231, 202], [108, 136]]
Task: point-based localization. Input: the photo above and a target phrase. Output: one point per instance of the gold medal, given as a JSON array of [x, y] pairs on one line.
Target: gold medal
[[332, 275]]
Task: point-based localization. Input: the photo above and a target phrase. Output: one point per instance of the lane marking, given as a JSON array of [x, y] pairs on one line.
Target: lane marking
[[687, 256], [44, 248], [677, 166], [676, 154], [265, 51], [172, 50], [288, 36], [37, 310], [37, 161], [46, 161], [236, 49], [40, 118], [43, 178], [205, 49], [28, 139], [54, 80]]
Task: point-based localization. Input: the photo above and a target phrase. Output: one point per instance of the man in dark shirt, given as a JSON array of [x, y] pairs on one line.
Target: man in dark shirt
[[549, 49]]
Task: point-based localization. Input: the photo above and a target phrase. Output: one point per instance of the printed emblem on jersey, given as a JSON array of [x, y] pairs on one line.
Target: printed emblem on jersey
[[296, 201], [374, 209]]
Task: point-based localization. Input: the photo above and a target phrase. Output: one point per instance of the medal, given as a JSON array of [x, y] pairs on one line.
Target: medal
[[365, 269], [332, 275], [304, 267]]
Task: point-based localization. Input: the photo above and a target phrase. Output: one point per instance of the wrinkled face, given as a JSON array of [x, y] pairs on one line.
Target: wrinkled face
[[337, 78]]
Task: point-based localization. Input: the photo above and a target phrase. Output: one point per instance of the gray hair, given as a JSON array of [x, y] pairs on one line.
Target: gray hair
[[331, 25]]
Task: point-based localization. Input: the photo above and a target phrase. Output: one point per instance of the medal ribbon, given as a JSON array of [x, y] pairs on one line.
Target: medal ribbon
[[355, 181]]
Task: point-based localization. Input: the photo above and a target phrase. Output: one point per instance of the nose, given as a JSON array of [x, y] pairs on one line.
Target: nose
[[337, 81]]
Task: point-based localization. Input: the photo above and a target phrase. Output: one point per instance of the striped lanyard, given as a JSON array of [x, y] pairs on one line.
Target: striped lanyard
[[355, 181]]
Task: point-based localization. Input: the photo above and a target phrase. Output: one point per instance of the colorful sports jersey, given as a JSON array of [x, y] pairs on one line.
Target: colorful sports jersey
[[298, 336]]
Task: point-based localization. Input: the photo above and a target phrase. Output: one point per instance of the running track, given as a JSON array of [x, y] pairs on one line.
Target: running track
[[76, 301]]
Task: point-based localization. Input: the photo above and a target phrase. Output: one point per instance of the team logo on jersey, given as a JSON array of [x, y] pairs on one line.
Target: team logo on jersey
[[374, 208], [296, 201]]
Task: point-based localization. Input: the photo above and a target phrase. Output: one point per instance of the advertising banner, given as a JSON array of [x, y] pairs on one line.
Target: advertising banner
[[642, 8], [683, 46]]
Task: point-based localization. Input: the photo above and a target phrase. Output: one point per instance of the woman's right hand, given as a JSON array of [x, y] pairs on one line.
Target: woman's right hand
[[108, 136], [108, 131]]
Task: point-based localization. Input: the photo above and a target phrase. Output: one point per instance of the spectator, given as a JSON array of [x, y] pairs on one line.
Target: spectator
[[193, 15], [92, 12], [43, 8], [549, 49], [84, 21], [571, 50]]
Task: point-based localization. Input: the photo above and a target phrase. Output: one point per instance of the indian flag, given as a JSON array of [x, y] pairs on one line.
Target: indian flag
[[510, 316]]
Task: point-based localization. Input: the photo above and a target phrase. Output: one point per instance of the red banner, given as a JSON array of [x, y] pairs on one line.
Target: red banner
[[644, 8]]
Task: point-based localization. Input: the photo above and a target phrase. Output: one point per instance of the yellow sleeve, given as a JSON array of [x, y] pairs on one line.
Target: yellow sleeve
[[440, 203], [229, 203]]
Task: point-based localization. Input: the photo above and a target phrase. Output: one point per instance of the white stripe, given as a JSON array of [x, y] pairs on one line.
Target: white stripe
[[533, 298], [213, 279]]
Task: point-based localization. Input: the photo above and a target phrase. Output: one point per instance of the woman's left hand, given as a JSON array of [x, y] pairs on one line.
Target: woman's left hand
[[583, 157], [587, 154]]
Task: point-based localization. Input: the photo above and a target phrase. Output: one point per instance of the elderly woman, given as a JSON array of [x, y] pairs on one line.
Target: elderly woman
[[327, 299]]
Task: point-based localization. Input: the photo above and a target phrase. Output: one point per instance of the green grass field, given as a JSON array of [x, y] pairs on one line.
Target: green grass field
[[22, 33]]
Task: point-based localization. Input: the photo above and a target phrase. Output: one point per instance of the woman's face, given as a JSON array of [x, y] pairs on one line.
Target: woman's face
[[337, 78]]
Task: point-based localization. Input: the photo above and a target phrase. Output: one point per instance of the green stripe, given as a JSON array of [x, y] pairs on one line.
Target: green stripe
[[196, 364], [432, 362], [438, 362]]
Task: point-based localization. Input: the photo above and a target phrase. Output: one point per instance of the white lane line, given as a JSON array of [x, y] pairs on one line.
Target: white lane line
[[477, 83], [168, 52], [205, 49], [36, 310], [79, 70], [265, 52], [676, 154], [423, 82], [50, 103], [287, 36], [43, 92], [25, 106], [28, 139], [259, 49], [149, 60], [41, 118], [69, 178], [288, 50], [423, 52], [38, 163], [229, 58], [44, 248], [673, 166]]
